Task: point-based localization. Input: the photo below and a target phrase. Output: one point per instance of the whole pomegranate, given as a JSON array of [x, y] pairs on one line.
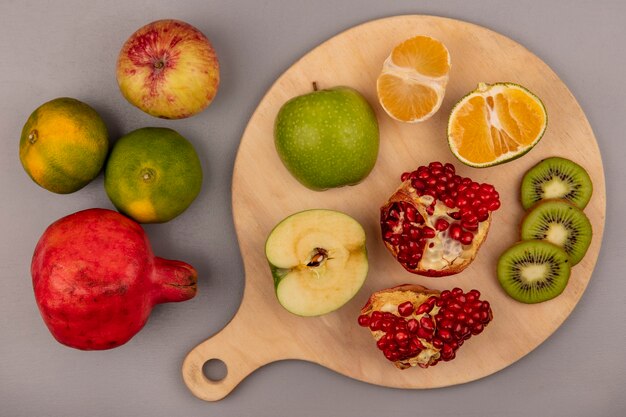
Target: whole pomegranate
[[415, 326], [96, 279], [436, 220]]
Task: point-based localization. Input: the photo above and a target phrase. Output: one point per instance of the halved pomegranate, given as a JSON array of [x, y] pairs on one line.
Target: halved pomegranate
[[436, 220], [415, 326]]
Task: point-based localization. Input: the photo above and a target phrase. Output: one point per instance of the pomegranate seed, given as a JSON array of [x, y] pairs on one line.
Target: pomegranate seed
[[416, 344], [391, 345], [461, 201], [455, 307], [472, 227], [466, 334], [449, 201], [427, 324], [482, 213], [467, 309], [374, 324], [405, 176], [404, 352], [457, 328], [364, 320], [423, 308], [381, 343], [412, 325], [377, 315], [418, 184], [494, 205], [438, 343], [473, 295], [466, 238], [410, 213], [435, 164], [469, 217], [446, 324], [402, 337], [441, 225], [455, 231], [428, 233], [461, 317], [446, 352], [445, 334], [478, 328], [386, 325], [424, 334], [449, 167], [406, 309], [400, 326]]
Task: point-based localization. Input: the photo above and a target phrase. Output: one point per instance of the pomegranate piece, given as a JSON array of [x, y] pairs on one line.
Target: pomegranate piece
[[436, 220], [436, 328], [96, 280]]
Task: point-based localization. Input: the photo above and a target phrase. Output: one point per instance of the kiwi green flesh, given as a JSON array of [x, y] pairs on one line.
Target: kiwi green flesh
[[556, 178], [533, 271], [560, 223]]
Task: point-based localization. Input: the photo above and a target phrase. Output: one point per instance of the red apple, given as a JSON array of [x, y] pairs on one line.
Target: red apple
[[168, 69]]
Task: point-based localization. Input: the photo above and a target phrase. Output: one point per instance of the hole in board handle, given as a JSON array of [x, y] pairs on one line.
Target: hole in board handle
[[215, 370]]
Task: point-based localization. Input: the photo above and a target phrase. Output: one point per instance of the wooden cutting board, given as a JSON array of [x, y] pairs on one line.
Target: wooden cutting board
[[263, 193]]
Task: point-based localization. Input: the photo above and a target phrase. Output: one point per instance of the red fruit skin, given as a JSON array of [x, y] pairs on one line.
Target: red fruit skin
[[96, 279]]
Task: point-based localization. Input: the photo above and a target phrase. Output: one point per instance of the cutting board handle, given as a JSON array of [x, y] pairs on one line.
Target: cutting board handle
[[243, 351]]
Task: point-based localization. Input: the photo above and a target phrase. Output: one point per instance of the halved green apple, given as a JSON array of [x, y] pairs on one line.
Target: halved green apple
[[318, 260]]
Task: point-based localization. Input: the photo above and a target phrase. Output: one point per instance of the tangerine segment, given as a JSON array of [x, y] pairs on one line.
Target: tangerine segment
[[406, 100], [495, 124], [425, 55]]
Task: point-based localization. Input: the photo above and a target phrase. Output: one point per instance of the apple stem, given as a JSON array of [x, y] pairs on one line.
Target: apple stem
[[314, 85]]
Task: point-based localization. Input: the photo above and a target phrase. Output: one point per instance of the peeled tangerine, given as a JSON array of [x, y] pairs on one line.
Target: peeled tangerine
[[435, 222], [415, 326], [96, 279]]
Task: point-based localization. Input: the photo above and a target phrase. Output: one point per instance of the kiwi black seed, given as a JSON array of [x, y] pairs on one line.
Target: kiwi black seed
[[533, 271], [556, 178], [560, 223]]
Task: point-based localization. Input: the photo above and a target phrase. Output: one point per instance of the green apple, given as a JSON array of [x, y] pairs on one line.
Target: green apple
[[318, 260], [327, 138]]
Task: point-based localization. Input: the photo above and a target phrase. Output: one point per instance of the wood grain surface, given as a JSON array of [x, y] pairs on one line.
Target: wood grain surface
[[263, 193]]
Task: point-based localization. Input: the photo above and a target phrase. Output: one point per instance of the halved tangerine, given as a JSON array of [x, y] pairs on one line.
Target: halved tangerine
[[496, 123], [412, 83]]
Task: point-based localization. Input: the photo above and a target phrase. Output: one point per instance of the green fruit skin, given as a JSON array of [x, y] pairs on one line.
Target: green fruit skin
[[59, 180], [327, 138], [168, 150]]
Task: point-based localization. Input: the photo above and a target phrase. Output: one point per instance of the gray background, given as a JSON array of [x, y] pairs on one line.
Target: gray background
[[50, 49]]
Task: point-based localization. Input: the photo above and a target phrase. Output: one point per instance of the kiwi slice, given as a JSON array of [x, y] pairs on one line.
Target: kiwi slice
[[561, 223], [533, 271], [556, 178]]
